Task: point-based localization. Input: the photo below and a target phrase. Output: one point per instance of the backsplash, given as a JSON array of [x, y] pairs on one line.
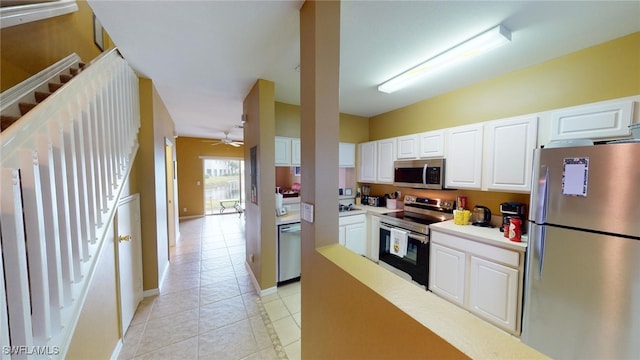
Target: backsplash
[[490, 199]]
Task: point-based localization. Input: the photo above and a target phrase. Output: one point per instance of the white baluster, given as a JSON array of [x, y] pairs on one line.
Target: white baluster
[[84, 219], [15, 258], [36, 244], [87, 134], [51, 228], [64, 223], [95, 148], [72, 196]]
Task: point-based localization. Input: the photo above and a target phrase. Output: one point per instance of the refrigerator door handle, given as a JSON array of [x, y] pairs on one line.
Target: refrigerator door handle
[[541, 205], [538, 235]]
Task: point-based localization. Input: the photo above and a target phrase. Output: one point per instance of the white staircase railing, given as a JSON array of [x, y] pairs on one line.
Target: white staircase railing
[[62, 166]]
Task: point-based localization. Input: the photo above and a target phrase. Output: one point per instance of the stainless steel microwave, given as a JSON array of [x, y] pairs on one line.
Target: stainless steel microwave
[[419, 174]]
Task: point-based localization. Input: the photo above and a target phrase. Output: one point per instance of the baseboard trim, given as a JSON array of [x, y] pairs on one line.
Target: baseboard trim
[[165, 272], [261, 292], [116, 351], [151, 292]]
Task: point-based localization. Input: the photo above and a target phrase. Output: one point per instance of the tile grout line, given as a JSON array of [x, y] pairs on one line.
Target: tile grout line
[[273, 335]]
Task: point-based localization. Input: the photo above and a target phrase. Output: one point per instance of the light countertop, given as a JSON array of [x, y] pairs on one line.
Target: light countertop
[[491, 236], [476, 338], [294, 216]]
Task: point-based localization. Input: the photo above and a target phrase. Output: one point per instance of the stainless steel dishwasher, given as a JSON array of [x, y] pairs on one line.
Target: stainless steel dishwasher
[[289, 248]]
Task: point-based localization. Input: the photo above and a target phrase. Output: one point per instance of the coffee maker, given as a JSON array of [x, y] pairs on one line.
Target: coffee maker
[[511, 210]]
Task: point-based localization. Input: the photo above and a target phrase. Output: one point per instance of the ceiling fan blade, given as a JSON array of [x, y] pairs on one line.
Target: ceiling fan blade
[[234, 144]]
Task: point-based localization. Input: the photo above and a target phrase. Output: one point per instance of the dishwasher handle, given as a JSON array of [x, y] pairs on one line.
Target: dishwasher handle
[[290, 228]]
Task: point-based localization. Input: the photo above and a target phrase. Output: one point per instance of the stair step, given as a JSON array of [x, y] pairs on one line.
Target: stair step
[[53, 87], [6, 121], [25, 107], [65, 78], [40, 96]]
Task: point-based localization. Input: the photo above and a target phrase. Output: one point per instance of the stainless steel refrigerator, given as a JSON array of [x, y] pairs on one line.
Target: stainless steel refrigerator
[[582, 286]]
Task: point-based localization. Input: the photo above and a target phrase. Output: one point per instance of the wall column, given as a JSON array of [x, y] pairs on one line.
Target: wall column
[[319, 137]]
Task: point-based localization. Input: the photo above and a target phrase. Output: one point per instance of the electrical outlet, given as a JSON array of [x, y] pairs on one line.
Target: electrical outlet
[[184, 209]]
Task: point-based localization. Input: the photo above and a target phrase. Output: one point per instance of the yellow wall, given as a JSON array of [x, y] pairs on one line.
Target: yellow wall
[[156, 126], [260, 225], [353, 128], [602, 72], [29, 48], [190, 170]]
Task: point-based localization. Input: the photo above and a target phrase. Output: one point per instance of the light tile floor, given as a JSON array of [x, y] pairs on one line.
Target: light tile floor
[[209, 308]]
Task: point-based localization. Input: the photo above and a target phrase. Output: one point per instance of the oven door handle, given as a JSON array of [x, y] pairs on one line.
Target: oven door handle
[[422, 238]]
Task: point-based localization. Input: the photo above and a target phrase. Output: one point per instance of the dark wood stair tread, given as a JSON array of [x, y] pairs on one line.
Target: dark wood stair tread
[[6, 121], [25, 107], [53, 86], [40, 96]]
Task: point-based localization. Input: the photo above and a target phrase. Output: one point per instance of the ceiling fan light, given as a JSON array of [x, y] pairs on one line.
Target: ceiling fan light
[[490, 39]]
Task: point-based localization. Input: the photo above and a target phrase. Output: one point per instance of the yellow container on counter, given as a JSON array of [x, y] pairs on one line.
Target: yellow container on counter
[[461, 217]]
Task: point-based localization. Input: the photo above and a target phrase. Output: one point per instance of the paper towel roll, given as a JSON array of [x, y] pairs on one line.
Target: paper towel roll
[[278, 201]]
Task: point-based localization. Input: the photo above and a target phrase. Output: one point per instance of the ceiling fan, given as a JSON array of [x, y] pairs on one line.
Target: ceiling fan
[[226, 141]]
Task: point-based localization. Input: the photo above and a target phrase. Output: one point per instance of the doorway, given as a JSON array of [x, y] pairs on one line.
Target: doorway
[[223, 186]]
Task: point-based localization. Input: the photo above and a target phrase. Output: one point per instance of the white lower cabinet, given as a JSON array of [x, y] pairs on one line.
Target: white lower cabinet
[[447, 268], [352, 233], [493, 292], [484, 279], [373, 237]]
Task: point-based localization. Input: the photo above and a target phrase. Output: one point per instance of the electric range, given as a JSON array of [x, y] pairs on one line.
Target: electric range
[[404, 235], [419, 213]]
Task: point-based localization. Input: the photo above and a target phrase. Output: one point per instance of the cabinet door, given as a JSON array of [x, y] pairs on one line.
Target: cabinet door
[[407, 147], [342, 235], [464, 157], [493, 292], [355, 238], [386, 157], [608, 119], [373, 237], [295, 152], [347, 155], [447, 273], [431, 144], [283, 151], [509, 158], [368, 160]]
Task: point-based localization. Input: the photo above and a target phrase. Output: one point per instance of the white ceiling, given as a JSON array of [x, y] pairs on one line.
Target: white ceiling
[[204, 56]]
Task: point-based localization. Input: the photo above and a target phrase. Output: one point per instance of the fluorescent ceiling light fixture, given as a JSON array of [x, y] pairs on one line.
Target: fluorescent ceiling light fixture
[[478, 44]]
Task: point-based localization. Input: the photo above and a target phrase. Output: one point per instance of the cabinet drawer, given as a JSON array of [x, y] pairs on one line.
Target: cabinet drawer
[[351, 219], [496, 254]]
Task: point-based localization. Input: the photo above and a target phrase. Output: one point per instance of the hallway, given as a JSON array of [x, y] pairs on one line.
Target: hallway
[[208, 308]]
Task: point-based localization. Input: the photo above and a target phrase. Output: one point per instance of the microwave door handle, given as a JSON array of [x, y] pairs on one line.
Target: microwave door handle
[[424, 174]]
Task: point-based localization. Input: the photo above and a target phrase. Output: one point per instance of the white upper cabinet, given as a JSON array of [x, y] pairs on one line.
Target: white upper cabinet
[[347, 155], [594, 121], [367, 161], [464, 157], [407, 147], [287, 151], [386, 157], [283, 151], [295, 152], [431, 144], [509, 148]]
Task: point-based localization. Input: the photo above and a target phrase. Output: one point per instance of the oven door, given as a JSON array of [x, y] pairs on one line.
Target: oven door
[[416, 262]]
